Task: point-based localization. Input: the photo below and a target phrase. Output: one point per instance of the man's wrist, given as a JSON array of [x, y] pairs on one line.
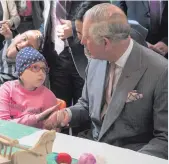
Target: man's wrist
[[69, 113]]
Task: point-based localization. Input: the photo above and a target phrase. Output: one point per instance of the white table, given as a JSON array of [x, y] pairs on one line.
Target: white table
[[77, 146]]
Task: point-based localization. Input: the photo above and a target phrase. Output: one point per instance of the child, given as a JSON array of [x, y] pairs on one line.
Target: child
[[26, 100]]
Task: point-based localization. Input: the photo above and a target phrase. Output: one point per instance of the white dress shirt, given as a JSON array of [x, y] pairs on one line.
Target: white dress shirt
[[120, 63]]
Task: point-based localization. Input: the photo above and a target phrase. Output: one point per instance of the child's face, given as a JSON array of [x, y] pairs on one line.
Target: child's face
[[35, 75]]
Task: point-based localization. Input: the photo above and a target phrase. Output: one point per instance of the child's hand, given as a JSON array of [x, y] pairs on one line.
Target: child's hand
[[45, 114], [57, 119]]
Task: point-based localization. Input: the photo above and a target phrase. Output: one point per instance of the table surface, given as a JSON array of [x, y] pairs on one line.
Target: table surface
[[17, 131], [78, 146]]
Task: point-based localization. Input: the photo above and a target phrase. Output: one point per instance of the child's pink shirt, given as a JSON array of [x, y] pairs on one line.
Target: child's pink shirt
[[20, 105]]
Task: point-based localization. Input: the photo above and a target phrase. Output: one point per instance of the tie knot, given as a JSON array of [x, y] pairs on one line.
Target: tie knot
[[112, 66]]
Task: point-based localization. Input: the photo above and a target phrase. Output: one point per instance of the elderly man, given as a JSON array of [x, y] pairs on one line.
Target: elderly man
[[125, 91]]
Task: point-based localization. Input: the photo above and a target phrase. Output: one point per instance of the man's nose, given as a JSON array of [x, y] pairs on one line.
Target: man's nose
[[83, 41]]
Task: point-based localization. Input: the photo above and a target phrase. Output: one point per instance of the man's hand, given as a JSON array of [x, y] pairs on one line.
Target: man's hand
[[159, 47], [8, 22], [150, 45], [64, 30], [5, 31], [42, 116], [57, 119]]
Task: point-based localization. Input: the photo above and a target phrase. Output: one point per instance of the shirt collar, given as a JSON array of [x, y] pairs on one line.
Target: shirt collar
[[122, 60]]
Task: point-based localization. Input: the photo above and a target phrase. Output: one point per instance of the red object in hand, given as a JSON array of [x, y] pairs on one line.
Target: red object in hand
[[63, 158], [62, 104]]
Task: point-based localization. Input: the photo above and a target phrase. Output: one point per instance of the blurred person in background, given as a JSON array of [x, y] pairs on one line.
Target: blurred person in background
[[9, 15], [136, 29], [153, 15], [30, 13], [7, 66], [9, 50]]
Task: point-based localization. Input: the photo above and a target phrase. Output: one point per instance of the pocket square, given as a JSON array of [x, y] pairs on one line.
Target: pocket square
[[133, 96]]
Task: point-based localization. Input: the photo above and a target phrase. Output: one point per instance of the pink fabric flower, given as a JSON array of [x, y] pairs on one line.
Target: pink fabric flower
[[87, 158]]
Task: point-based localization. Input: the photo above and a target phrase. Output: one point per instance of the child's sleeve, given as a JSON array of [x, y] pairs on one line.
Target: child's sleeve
[[5, 114], [5, 101], [27, 119]]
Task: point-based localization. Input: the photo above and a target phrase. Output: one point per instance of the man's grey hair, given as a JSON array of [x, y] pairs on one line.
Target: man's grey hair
[[111, 25]]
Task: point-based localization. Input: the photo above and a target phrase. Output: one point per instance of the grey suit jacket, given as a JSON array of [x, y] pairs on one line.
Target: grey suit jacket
[[140, 125]]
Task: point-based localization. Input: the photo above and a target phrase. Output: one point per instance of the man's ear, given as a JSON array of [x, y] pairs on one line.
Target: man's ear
[[107, 42]]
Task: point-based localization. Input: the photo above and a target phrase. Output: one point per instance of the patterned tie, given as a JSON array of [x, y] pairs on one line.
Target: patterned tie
[[109, 89], [155, 15], [57, 13]]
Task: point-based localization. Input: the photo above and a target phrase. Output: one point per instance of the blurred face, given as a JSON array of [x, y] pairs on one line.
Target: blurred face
[[27, 39], [95, 50], [35, 75], [79, 26], [21, 41]]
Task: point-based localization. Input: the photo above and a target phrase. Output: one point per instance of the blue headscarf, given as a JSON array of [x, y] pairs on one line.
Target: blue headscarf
[[26, 57]]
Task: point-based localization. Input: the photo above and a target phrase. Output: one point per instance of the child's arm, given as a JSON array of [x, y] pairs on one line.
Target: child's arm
[[33, 119], [5, 109]]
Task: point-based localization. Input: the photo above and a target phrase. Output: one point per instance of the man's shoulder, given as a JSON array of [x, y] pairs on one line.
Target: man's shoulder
[[154, 57], [153, 60]]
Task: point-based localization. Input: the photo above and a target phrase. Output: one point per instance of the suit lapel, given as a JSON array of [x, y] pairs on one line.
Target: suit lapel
[[163, 3], [132, 72], [146, 5], [101, 75]]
